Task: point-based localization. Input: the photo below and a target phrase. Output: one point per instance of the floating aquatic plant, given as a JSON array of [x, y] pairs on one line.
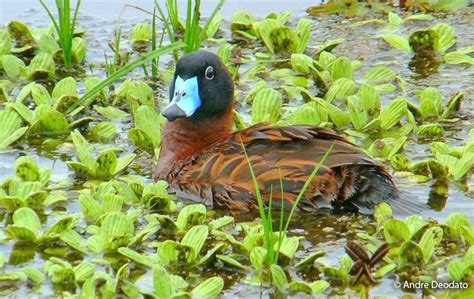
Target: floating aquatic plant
[[105, 166]]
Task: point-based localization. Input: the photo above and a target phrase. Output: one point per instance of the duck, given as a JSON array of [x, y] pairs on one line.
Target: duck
[[203, 160]]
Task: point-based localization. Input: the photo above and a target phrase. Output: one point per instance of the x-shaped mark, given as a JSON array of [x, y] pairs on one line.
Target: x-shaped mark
[[362, 263]]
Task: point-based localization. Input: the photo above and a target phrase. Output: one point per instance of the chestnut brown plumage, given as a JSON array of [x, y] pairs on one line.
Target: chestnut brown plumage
[[204, 161]]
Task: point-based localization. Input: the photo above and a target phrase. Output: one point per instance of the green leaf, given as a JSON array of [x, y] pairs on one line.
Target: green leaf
[[414, 223], [383, 211], [195, 239], [379, 74], [278, 276], [123, 162], [79, 49], [430, 239], [456, 270], [13, 66], [162, 282], [394, 19], [141, 32], [446, 37], [50, 123], [48, 44], [231, 261], [147, 120], [41, 67], [303, 30], [104, 131], [342, 68], [384, 270], [396, 41], [266, 106], [393, 113], [210, 288], [458, 58], [340, 89], [257, 258], [26, 224], [191, 215], [84, 271], [111, 112], [144, 259], [357, 113], [410, 253], [395, 230], [105, 165], [319, 286]]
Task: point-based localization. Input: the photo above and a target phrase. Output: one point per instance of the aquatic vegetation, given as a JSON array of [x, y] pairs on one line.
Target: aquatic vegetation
[[105, 166], [65, 27], [194, 33]]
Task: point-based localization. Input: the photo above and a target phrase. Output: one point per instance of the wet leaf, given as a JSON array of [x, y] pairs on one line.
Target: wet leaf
[[266, 106], [410, 253], [458, 58], [195, 239], [340, 89], [342, 68], [379, 74], [396, 41], [210, 288], [446, 37], [393, 113], [13, 66], [278, 276], [429, 241], [41, 67], [395, 230]]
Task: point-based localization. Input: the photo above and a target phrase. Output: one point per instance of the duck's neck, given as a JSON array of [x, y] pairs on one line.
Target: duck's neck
[[184, 137]]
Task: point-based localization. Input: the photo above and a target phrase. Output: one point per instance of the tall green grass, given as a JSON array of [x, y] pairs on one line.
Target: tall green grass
[[267, 218], [64, 26], [88, 98], [194, 33]]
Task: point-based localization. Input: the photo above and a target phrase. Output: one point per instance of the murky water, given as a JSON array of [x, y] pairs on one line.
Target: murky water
[[98, 18]]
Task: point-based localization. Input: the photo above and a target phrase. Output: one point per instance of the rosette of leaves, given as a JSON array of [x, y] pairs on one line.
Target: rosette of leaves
[[167, 285], [47, 118], [431, 105], [405, 232], [104, 167], [146, 133], [141, 36], [24, 40], [154, 196], [278, 37], [185, 252], [242, 24], [459, 161], [439, 38], [459, 226], [116, 230], [28, 187], [12, 127], [136, 93], [462, 269], [26, 226], [26, 274], [62, 272]]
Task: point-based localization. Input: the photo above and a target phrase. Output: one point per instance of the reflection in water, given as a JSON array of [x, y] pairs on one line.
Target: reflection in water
[[424, 64], [438, 195]]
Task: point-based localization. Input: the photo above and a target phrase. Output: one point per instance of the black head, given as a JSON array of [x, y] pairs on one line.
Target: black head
[[201, 89]]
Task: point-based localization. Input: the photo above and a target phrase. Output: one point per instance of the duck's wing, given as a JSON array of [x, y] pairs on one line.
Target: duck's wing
[[283, 159]]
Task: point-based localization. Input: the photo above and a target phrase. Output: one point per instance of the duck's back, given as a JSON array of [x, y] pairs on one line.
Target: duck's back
[[283, 158]]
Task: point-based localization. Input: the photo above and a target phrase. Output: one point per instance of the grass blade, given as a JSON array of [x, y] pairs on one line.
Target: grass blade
[[89, 96]]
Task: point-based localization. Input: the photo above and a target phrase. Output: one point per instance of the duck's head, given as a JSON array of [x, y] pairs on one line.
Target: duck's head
[[202, 88]]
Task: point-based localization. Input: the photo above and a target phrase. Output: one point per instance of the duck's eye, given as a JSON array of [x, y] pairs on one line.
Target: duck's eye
[[209, 73]]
